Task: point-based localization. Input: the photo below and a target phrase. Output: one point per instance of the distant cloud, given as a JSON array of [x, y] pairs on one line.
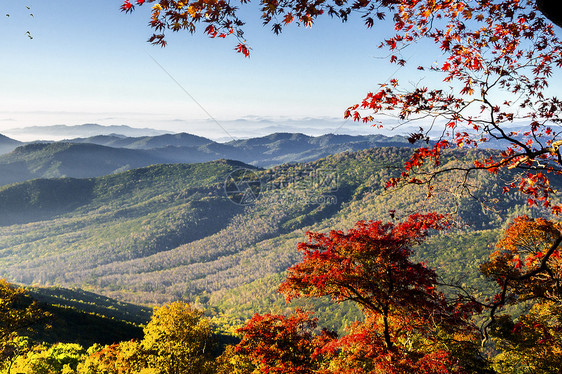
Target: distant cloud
[[61, 132], [28, 126]]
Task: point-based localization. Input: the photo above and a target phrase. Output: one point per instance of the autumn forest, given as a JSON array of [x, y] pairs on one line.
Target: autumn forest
[[433, 251]]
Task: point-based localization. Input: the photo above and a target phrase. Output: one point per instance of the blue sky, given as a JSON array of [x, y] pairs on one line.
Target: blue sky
[[90, 63]]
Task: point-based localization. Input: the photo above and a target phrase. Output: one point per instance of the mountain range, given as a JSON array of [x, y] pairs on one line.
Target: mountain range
[[107, 154]]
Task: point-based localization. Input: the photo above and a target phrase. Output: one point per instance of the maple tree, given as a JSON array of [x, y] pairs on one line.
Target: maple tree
[[407, 320], [278, 344], [527, 267], [222, 20], [527, 262], [497, 58]]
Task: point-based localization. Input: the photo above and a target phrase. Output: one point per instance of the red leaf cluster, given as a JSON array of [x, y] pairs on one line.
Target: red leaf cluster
[[277, 344]]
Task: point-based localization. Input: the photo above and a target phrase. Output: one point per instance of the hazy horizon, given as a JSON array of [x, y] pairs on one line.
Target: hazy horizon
[[219, 130]]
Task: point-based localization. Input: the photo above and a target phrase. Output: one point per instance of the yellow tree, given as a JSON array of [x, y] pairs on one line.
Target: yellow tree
[[121, 358], [60, 358], [178, 340], [18, 313]]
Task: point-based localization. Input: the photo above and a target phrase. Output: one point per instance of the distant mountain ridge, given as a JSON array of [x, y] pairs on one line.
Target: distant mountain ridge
[[145, 142], [108, 154]]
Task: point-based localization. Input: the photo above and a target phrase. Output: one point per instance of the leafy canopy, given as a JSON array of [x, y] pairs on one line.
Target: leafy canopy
[[408, 325], [277, 344]]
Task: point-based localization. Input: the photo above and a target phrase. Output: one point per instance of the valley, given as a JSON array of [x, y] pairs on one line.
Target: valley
[[165, 232]]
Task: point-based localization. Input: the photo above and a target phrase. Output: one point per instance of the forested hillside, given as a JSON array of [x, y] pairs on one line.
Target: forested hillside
[[168, 232]]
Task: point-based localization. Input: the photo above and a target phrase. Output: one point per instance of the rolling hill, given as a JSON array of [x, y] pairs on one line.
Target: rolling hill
[[53, 160], [167, 232]]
